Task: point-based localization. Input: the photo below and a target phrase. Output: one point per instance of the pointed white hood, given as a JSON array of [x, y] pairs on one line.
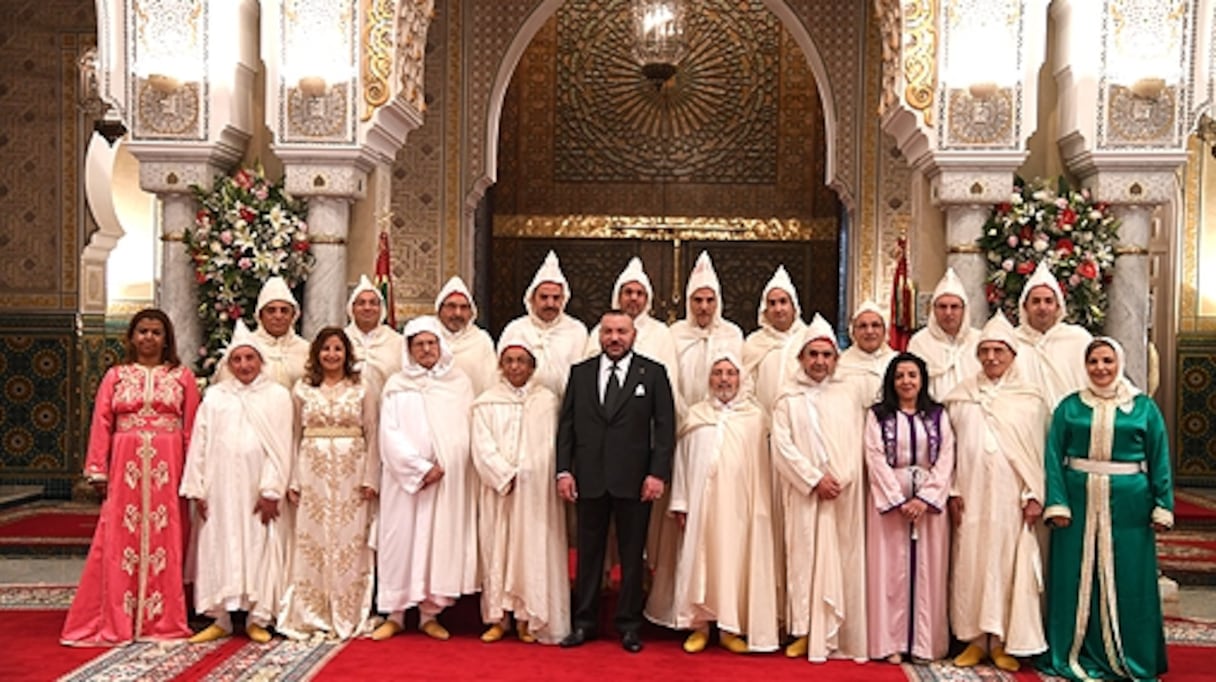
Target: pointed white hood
[[633, 272], [276, 289], [418, 325], [998, 328], [703, 276], [869, 306], [780, 280], [1042, 277], [365, 284], [549, 271], [455, 285], [948, 285]]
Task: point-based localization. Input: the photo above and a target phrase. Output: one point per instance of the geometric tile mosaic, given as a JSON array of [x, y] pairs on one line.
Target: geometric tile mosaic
[[1196, 429]]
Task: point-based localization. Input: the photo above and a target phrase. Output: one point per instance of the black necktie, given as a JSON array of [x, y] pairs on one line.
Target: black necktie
[[613, 389]]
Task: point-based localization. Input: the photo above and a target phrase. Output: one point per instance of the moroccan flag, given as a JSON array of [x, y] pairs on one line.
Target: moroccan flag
[[384, 279], [902, 318]]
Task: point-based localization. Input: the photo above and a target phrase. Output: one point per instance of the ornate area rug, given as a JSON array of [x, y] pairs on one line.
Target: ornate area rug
[[47, 528], [1188, 556]]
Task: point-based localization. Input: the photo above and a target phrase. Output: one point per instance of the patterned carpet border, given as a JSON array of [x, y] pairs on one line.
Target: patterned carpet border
[[280, 660], [1178, 631], [36, 597], [143, 661], [1196, 499]]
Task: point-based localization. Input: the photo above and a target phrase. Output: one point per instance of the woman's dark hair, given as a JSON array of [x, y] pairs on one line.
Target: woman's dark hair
[[889, 404], [314, 374], [168, 354]]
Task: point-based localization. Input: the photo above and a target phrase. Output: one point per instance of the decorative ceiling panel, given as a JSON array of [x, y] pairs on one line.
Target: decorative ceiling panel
[[715, 120]]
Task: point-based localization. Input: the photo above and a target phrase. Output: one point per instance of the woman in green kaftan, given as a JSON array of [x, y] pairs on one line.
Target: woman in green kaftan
[[1109, 491]]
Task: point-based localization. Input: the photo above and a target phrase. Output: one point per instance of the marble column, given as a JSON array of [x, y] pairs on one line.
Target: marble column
[[966, 193], [1127, 315], [325, 292], [964, 224], [178, 286], [177, 293], [1134, 190], [330, 186]]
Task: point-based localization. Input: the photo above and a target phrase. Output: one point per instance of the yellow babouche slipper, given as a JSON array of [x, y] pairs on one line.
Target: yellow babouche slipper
[[525, 635], [797, 648], [732, 642], [257, 633], [386, 630], [494, 634], [209, 634], [436, 631], [1004, 661], [696, 642], [971, 656]]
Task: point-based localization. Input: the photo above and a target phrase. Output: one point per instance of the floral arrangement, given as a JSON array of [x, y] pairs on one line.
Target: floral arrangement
[[247, 230], [1068, 229]]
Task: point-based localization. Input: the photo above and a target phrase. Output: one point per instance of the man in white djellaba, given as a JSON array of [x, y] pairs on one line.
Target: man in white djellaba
[[780, 319], [703, 331], [1000, 432], [377, 346], [284, 352], [471, 346], [1048, 347], [521, 520], [237, 470], [557, 340], [947, 343], [865, 362], [721, 495], [427, 540], [818, 424]]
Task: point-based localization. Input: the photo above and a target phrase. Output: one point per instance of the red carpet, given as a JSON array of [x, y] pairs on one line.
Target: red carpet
[[32, 650]]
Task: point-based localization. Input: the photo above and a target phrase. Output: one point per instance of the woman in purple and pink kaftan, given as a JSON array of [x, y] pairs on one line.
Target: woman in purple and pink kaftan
[[909, 451]]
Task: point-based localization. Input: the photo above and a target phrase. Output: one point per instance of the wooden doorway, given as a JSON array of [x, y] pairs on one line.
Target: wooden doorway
[[593, 264]]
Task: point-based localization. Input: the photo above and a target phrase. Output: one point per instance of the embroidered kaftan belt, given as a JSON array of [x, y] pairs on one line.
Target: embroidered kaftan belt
[[145, 422], [1090, 466], [333, 432]]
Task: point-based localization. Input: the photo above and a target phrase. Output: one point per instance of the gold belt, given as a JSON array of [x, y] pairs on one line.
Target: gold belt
[[1090, 466], [333, 432]]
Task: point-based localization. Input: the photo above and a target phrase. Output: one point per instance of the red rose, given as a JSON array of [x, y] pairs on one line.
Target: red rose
[[1004, 208], [200, 278], [235, 312], [1088, 269], [990, 291], [242, 179], [1066, 245], [1026, 234], [1026, 267], [301, 245], [248, 216], [202, 215], [1068, 217]]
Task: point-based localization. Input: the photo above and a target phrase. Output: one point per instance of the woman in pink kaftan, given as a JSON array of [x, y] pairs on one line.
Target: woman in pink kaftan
[[909, 451], [131, 588]]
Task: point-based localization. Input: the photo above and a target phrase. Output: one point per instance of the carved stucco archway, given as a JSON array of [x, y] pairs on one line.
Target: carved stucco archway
[[840, 25]]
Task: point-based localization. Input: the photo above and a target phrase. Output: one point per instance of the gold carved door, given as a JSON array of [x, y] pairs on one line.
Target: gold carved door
[[745, 255]]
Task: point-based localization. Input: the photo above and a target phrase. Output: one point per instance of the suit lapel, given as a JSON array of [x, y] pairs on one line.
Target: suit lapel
[[634, 377]]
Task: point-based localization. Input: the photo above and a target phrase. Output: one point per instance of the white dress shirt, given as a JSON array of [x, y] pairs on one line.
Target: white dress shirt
[[622, 368]]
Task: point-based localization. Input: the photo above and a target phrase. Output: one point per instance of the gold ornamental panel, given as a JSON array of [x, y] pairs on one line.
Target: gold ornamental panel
[[716, 119], [664, 228]]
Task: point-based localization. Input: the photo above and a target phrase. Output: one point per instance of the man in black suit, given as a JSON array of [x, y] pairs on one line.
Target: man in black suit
[[615, 439]]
